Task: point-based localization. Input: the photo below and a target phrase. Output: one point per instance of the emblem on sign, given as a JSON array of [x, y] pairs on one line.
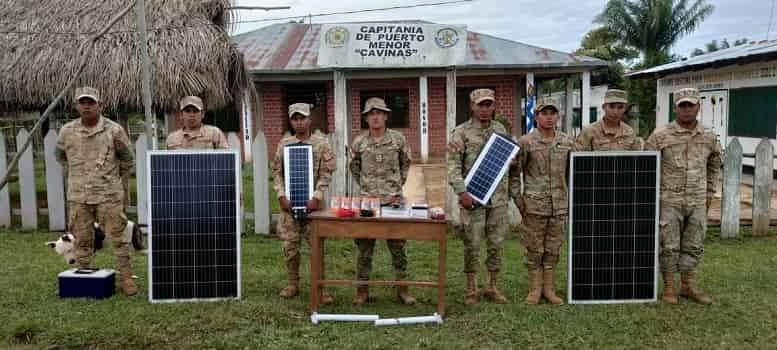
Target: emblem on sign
[[336, 37], [446, 37]]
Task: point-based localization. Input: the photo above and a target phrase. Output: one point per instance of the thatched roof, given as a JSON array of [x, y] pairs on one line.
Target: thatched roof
[[191, 52]]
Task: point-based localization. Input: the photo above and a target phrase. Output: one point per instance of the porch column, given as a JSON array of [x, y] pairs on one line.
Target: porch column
[[569, 106], [585, 108], [342, 127], [423, 113]]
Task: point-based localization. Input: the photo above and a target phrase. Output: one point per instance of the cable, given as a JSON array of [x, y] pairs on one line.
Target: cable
[[310, 16]]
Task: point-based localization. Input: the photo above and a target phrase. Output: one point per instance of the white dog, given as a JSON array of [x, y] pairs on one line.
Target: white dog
[[65, 245]]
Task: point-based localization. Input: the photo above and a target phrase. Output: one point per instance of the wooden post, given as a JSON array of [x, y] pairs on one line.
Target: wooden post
[[762, 187], [261, 185], [55, 186], [450, 123], [140, 10], [339, 185], [5, 199], [732, 179], [423, 105], [27, 183], [140, 179], [569, 107], [585, 93]]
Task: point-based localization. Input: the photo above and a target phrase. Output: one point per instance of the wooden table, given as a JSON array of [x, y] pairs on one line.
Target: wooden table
[[326, 225]]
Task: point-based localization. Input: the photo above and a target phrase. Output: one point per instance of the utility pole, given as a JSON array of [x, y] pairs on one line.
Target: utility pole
[[151, 135]]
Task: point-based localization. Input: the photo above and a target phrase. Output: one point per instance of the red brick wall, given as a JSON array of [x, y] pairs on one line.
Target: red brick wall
[[275, 116]]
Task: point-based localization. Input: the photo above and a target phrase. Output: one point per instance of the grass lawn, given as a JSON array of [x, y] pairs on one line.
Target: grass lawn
[[740, 274]]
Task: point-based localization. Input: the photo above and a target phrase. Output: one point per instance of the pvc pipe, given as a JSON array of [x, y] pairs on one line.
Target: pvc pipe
[[316, 318], [409, 320]]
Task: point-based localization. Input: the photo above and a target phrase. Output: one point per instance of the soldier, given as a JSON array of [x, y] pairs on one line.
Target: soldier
[[542, 160], [194, 134], [95, 152], [610, 133], [289, 230], [690, 166], [488, 221], [380, 160]]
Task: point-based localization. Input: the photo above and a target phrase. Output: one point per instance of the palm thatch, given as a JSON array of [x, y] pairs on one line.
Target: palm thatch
[[191, 52]]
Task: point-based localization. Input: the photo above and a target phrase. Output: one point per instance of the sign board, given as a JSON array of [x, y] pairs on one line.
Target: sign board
[[391, 45]]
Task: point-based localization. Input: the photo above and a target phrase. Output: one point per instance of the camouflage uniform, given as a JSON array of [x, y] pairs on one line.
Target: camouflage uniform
[[690, 167], [488, 221], [290, 231], [380, 168], [597, 137], [96, 160], [543, 163], [206, 137]]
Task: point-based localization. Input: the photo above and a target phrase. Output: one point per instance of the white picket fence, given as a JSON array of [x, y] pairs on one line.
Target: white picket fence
[[55, 185], [55, 194]]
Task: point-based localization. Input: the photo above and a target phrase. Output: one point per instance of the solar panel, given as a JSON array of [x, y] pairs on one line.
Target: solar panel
[[613, 227], [194, 225], [298, 173], [490, 166]]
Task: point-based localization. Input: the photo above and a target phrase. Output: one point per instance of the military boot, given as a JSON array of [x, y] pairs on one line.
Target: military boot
[[362, 294], [669, 295], [535, 287], [549, 288], [126, 282], [491, 291], [689, 290], [471, 294], [292, 288], [404, 295]]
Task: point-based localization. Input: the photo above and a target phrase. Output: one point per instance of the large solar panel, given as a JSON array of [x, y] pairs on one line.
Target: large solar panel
[[613, 227], [194, 225], [298, 173], [490, 166]]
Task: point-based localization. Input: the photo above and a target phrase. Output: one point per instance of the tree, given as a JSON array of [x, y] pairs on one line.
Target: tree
[[653, 26], [697, 52], [604, 44], [712, 46]]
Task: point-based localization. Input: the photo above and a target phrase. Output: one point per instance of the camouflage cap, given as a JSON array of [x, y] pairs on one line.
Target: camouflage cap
[[375, 103], [616, 96], [88, 92], [480, 95], [686, 95], [191, 101], [301, 108], [546, 102]]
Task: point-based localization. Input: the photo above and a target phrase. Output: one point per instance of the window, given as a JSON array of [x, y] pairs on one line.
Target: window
[[398, 101], [313, 94], [753, 112], [462, 102]]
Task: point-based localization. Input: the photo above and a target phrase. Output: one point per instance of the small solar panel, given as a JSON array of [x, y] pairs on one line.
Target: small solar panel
[[298, 173], [194, 225], [613, 227], [490, 166]]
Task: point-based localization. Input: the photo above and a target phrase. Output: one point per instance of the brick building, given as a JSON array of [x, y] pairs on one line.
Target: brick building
[[427, 99]]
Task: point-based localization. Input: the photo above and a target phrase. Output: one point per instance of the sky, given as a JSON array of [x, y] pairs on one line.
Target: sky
[[558, 24]]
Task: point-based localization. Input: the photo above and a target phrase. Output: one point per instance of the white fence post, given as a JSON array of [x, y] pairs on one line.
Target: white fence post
[[261, 185], [55, 186], [732, 178], [762, 187], [5, 199], [140, 180], [27, 183], [234, 143]]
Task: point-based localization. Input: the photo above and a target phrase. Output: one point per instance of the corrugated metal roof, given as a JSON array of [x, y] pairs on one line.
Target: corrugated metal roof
[[293, 47], [733, 55]]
